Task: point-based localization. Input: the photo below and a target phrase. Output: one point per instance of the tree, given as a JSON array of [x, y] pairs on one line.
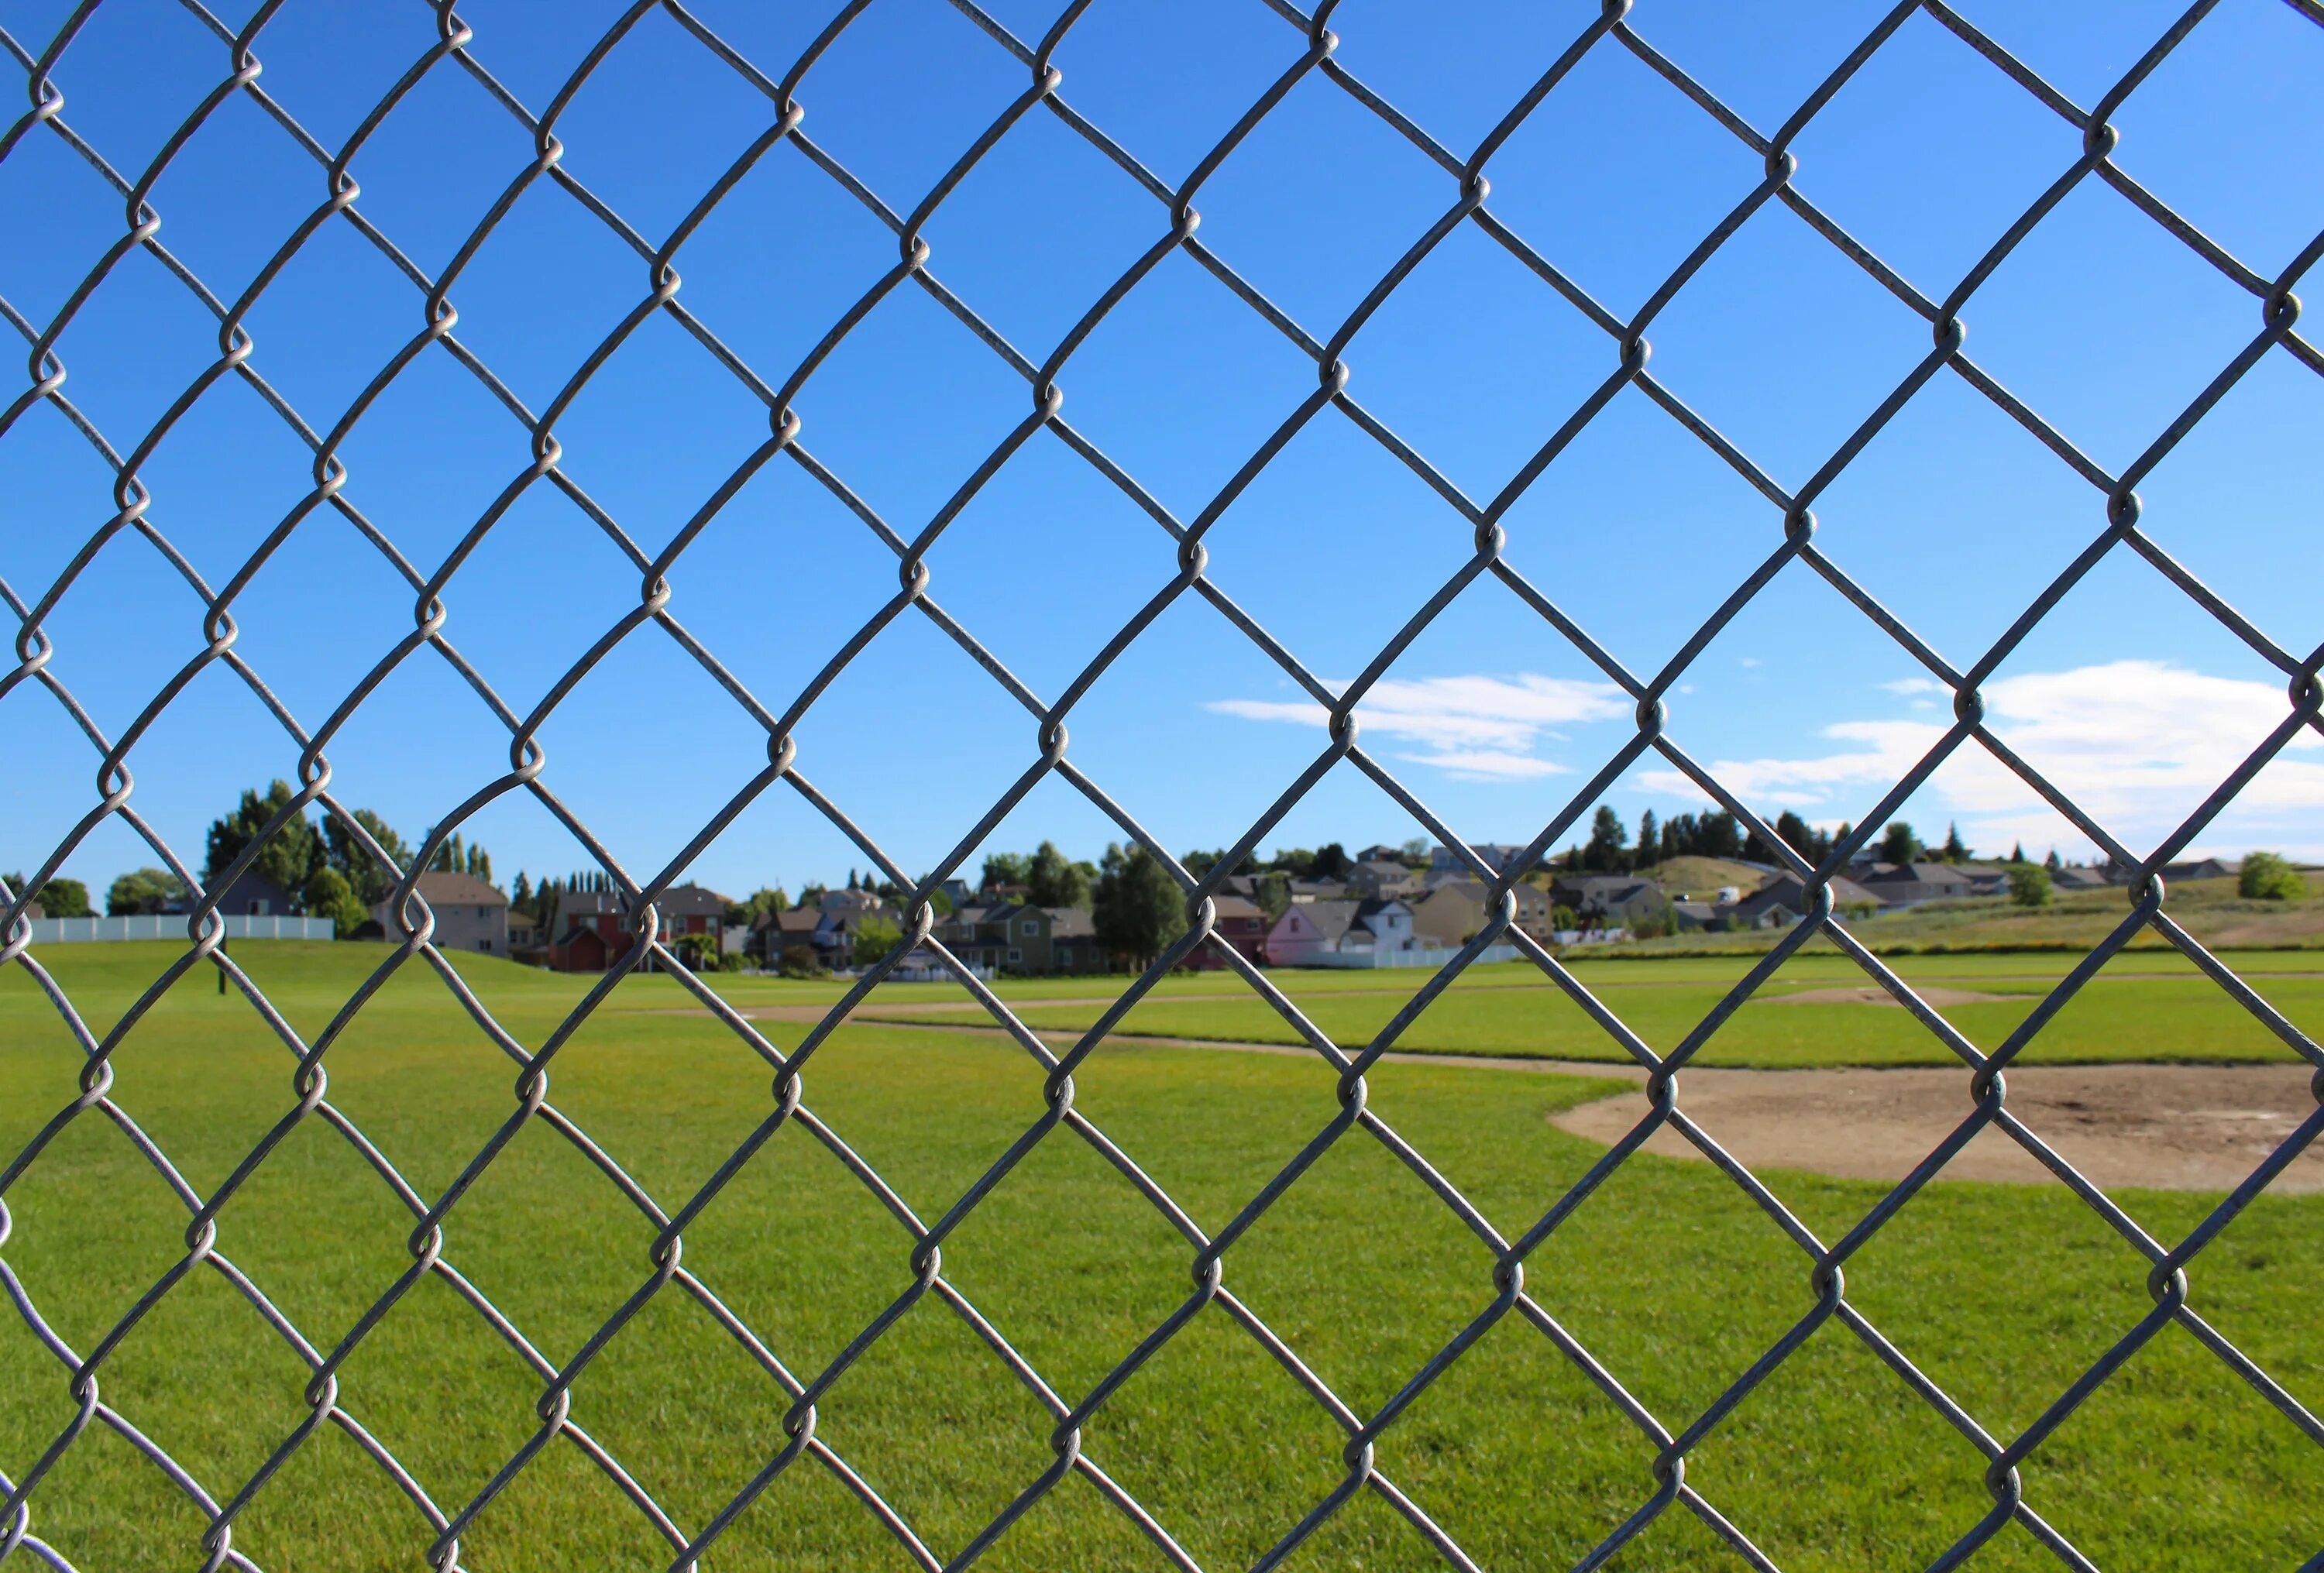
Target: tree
[[1332, 862], [796, 961], [1956, 850], [1604, 851], [1139, 906], [60, 898], [2269, 877], [2052, 862], [289, 857], [1797, 834], [144, 890], [1650, 838], [874, 938], [746, 912], [1416, 852], [1897, 843], [520, 894], [1297, 861], [2017, 852], [1054, 881], [1563, 919], [1719, 836], [345, 851], [1273, 893], [812, 895], [1002, 868], [2029, 885], [329, 895]]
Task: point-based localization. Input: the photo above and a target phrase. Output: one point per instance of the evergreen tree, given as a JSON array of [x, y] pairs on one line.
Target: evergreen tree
[[1605, 852], [1796, 834], [1138, 907], [1955, 852], [520, 894], [2052, 862], [2017, 852], [1650, 839]]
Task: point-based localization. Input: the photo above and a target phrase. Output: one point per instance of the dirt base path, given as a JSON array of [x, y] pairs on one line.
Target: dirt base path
[[2173, 1128]]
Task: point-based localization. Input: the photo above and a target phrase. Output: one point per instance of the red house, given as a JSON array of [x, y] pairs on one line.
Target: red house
[[593, 932], [1241, 926]]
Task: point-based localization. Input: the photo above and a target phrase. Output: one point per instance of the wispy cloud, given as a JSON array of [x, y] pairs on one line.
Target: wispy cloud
[[1477, 728], [2137, 744]]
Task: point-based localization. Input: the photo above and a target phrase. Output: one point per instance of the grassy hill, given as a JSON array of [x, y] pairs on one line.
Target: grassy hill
[[1698, 876], [2210, 909]]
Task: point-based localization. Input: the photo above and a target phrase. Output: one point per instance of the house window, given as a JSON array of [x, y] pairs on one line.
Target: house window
[[486, 945], [1065, 955], [1015, 954], [258, 908], [1029, 928]]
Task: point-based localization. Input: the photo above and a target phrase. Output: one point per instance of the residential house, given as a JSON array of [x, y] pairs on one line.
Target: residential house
[[1029, 941], [773, 932], [1783, 901], [691, 912], [1308, 932], [524, 939], [1495, 855], [591, 930], [1318, 889], [2177, 873], [1376, 877], [251, 894], [1452, 912], [1986, 878], [1241, 926], [1380, 854], [470, 915], [1608, 900], [2079, 877], [1914, 884]]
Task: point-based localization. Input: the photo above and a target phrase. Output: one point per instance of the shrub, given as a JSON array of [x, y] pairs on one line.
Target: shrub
[[796, 961], [2270, 877], [2029, 885], [874, 938]]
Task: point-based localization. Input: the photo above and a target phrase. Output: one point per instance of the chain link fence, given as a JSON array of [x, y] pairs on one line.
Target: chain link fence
[[788, 89]]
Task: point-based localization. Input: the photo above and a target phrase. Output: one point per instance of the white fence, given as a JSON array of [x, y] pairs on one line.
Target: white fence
[[55, 930], [1417, 956]]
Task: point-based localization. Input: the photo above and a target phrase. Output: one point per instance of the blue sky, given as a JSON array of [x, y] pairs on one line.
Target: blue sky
[[2129, 695]]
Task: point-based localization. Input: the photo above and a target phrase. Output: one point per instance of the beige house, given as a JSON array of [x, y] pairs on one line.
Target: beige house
[[470, 915], [1454, 911]]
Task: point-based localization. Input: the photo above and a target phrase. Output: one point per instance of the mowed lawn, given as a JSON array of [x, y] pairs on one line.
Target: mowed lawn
[[1669, 1273], [2133, 1010]]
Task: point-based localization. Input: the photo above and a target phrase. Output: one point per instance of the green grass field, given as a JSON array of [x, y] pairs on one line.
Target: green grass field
[[1669, 1273]]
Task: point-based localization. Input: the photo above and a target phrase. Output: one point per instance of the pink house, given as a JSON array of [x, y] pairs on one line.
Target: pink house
[[1310, 931]]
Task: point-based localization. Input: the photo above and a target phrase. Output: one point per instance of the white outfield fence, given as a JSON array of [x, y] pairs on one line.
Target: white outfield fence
[[67, 931]]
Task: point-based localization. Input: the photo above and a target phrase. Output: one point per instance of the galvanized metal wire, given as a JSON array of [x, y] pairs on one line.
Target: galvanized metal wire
[[1183, 568]]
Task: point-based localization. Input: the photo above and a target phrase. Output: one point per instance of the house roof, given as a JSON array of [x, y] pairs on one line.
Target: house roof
[[1784, 890], [1604, 886], [848, 900], [1386, 868], [1235, 907], [691, 901], [1328, 919], [1323, 888], [447, 889], [1474, 891], [1920, 873], [1071, 922], [582, 902]]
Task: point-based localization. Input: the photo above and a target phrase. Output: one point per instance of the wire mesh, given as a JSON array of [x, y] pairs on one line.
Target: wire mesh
[[1182, 557]]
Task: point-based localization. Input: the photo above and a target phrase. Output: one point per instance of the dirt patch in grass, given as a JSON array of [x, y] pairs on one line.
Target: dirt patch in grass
[[2180, 1128], [1873, 994]]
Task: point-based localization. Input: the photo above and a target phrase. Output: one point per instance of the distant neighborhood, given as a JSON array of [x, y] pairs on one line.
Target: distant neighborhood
[[1041, 913]]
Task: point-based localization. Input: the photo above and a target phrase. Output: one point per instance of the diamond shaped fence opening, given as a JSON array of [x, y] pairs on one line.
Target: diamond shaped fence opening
[[499, 248]]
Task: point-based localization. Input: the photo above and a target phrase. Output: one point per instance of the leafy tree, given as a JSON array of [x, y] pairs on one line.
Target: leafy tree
[[2029, 885], [1801, 837], [1297, 861], [1650, 838], [1897, 843], [767, 899], [939, 903], [347, 853], [874, 938], [1956, 850], [812, 895], [1055, 882], [1139, 906], [144, 890], [1332, 862], [1604, 851], [289, 857], [1002, 868], [2269, 877], [1416, 852], [1563, 919], [329, 895], [1273, 893], [60, 898]]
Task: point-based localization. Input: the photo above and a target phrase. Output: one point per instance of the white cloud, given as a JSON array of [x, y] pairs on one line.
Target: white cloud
[[1477, 728], [2136, 744], [1914, 686]]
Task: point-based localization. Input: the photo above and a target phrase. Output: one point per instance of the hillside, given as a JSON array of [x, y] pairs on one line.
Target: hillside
[[2210, 909], [1698, 876]]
